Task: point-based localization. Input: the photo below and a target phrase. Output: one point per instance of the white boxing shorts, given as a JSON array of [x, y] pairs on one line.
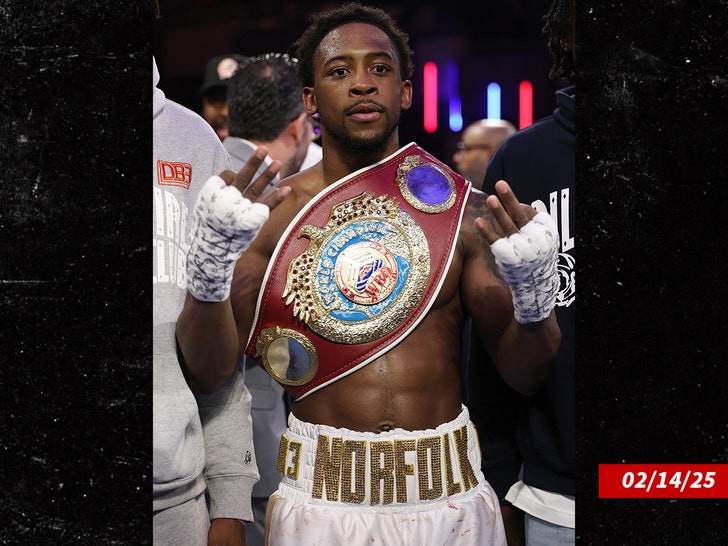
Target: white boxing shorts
[[341, 487]]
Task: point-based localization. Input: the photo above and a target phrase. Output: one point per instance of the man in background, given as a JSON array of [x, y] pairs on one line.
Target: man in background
[[213, 91], [265, 108], [214, 96], [477, 144]]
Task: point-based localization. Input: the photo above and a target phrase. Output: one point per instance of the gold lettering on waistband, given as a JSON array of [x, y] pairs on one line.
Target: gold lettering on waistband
[[402, 469], [327, 468], [295, 448], [461, 446], [381, 470], [284, 447], [341, 469], [451, 485], [429, 467], [353, 461]]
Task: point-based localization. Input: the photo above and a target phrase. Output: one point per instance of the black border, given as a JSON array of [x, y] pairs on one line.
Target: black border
[[75, 274], [76, 290]]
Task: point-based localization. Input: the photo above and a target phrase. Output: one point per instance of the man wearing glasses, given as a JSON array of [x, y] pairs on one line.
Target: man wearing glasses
[[477, 143]]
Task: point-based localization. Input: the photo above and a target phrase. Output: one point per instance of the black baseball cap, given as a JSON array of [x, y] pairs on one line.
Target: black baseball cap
[[220, 69]]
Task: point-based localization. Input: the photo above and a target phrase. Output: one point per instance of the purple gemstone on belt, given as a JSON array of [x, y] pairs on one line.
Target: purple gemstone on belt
[[428, 185]]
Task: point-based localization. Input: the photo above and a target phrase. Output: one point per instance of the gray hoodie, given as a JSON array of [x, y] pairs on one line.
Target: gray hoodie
[[199, 441]]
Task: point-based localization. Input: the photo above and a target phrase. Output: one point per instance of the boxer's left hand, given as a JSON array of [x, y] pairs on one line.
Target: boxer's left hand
[[525, 246]]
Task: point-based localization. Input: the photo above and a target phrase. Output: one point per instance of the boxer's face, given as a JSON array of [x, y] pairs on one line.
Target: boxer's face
[[358, 90]]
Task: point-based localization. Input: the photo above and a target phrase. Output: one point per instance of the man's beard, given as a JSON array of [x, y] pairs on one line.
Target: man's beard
[[372, 145], [220, 125]]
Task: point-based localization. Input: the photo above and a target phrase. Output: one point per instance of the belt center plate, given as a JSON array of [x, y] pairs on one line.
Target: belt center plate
[[363, 273]]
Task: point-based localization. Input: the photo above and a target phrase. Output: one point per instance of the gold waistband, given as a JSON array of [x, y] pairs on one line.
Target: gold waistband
[[391, 471]]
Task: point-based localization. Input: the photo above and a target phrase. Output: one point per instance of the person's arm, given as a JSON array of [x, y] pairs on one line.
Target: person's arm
[[229, 532], [514, 524], [230, 465], [515, 318], [226, 218], [494, 409]]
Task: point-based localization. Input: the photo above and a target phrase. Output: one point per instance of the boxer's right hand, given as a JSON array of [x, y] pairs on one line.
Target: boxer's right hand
[[227, 216], [257, 191]]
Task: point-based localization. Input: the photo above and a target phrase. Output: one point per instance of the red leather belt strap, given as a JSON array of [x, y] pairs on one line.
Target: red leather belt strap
[[339, 354]]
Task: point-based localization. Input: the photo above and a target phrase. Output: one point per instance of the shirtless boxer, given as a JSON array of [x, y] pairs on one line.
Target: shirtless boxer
[[379, 448]]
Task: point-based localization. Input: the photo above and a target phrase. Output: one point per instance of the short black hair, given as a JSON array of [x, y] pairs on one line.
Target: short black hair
[[352, 12], [264, 96]]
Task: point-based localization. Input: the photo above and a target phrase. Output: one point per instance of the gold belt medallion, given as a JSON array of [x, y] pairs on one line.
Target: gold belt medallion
[[363, 273]]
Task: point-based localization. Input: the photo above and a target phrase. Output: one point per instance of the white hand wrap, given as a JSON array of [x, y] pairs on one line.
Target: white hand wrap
[[224, 225], [527, 259]]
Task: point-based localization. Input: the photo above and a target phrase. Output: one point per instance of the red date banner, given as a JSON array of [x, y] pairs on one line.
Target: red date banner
[[663, 481]]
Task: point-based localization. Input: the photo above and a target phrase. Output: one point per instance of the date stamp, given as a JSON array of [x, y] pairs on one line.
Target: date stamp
[[663, 481]]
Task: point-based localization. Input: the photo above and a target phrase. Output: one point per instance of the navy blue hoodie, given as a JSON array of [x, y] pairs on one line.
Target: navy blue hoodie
[[537, 431]]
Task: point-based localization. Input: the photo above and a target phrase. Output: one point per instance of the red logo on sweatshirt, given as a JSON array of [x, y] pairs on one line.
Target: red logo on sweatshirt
[[174, 173]]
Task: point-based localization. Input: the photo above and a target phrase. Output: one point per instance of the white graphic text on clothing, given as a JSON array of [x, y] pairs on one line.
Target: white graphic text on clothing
[[170, 238], [558, 209]]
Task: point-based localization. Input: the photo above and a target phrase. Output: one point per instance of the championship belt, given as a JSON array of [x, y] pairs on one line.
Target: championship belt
[[357, 269]]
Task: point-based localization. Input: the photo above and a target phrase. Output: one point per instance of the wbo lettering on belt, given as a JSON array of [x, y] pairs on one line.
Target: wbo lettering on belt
[[341, 468], [357, 270]]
